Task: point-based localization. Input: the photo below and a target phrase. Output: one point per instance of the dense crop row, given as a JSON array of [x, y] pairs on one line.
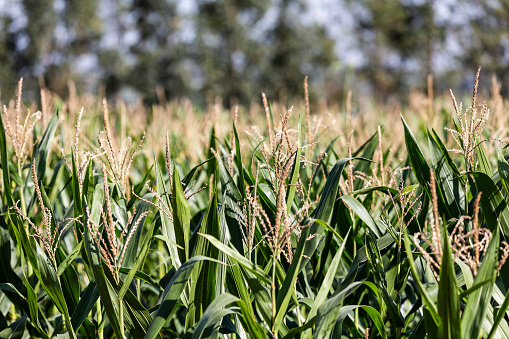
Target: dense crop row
[[271, 235]]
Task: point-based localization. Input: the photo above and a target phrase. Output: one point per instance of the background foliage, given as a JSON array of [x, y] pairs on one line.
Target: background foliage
[[235, 49]]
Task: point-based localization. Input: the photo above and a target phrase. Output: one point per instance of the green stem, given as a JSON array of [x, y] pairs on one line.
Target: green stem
[[21, 194], [121, 311], [70, 330], [161, 260], [67, 320], [299, 321], [274, 263], [13, 313], [121, 318], [354, 236], [24, 210], [466, 196], [356, 318], [100, 322], [138, 289]]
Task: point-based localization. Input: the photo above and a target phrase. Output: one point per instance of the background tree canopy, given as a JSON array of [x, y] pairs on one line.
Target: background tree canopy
[[238, 48]]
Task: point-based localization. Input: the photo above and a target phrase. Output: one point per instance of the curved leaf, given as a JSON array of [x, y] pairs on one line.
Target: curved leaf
[[171, 295], [479, 300], [209, 322], [493, 204]]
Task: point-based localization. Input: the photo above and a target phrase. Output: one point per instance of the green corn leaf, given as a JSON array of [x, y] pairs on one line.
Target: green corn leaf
[[136, 317], [493, 204], [68, 277], [499, 317], [232, 253], [445, 153], [319, 268], [368, 150], [238, 286], [48, 277], [211, 168], [189, 176], [427, 301], [171, 295], [256, 154], [323, 210], [168, 229], [87, 301], [77, 199], [295, 170], [382, 243], [479, 300], [131, 251], [7, 274], [138, 188], [140, 260], [361, 211], [203, 279], [382, 189], [484, 162], [326, 286], [88, 185], [69, 282], [41, 158], [328, 312], [447, 177], [419, 165], [448, 300], [465, 294], [69, 258], [43, 149], [223, 237], [142, 276], [251, 326], [35, 314], [330, 229], [208, 325], [15, 330], [238, 162], [268, 196], [107, 299], [376, 262], [288, 288], [316, 181], [231, 198], [503, 170], [261, 297], [10, 287], [372, 313]]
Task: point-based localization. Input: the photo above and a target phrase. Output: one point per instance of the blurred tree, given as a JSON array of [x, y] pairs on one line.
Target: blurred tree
[[39, 47], [398, 38], [226, 48], [11, 60], [295, 50], [26, 45], [83, 30], [237, 48], [484, 37], [240, 58], [159, 52], [41, 22]]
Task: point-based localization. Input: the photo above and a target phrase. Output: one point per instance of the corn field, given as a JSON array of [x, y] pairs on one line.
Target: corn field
[[125, 221]]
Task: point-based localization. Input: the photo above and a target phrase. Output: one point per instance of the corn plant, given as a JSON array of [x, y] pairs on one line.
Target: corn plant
[[286, 233]]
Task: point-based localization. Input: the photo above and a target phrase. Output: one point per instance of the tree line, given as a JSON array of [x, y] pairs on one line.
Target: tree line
[[236, 49]]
